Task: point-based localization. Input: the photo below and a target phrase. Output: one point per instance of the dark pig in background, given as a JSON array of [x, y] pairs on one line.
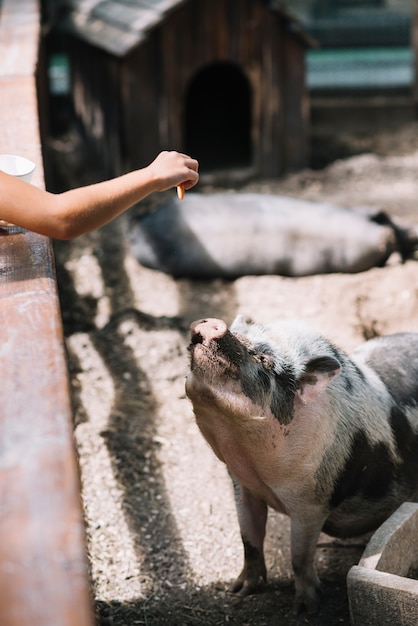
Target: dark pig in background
[[329, 439], [232, 235]]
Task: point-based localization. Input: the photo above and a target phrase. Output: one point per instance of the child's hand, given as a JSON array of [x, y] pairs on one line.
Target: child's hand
[[171, 169]]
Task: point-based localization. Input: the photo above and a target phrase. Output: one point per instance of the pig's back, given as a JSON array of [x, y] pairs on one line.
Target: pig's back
[[381, 473], [395, 359]]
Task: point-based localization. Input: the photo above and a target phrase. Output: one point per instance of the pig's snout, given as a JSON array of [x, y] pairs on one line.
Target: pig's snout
[[204, 331]]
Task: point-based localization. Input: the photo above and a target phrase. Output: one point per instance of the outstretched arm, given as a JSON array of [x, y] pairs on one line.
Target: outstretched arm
[[71, 213]]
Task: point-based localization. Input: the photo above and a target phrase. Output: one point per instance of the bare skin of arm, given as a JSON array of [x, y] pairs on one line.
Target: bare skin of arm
[[77, 211]]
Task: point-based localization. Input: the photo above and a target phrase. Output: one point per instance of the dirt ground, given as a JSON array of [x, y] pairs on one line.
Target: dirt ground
[[163, 538]]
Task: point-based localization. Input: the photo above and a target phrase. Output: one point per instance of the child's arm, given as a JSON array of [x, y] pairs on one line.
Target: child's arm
[[71, 213]]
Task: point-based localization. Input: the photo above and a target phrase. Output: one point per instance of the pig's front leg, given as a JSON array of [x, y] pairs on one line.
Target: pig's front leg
[[252, 518], [304, 537]]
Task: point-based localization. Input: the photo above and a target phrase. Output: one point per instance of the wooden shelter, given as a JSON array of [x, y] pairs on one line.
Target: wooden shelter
[[221, 79]]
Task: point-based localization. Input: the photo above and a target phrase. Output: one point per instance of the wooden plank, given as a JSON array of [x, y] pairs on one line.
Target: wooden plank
[[43, 565], [296, 107], [142, 133], [19, 27], [43, 570], [414, 43]]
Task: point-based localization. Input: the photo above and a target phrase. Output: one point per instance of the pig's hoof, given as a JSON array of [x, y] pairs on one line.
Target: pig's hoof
[[308, 602], [245, 587]]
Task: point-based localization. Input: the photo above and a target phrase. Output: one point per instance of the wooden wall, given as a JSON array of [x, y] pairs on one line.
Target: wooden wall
[[96, 101]]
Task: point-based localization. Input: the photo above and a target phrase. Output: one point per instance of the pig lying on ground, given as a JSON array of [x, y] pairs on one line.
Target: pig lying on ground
[[328, 439], [232, 235]]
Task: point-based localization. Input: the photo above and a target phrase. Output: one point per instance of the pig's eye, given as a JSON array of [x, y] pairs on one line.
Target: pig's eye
[[267, 361], [263, 355]]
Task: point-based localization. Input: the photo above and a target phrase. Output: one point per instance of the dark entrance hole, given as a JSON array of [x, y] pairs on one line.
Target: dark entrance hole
[[218, 118]]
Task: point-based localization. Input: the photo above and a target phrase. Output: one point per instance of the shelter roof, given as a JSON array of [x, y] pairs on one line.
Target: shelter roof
[[118, 26]]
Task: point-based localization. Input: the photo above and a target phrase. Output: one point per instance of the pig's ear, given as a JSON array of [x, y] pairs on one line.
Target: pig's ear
[[317, 375], [238, 325]]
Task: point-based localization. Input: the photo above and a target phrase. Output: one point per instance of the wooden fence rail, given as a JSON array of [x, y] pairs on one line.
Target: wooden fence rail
[[43, 567]]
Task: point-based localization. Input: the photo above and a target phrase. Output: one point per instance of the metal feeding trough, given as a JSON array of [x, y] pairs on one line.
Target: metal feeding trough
[[383, 587]]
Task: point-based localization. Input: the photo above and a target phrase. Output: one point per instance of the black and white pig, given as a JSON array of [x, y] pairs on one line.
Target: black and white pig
[[329, 439], [230, 235]]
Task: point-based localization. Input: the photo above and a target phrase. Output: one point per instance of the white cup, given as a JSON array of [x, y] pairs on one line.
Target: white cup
[[17, 166]]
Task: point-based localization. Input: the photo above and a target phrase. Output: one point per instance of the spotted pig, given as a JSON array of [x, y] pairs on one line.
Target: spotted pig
[[329, 439]]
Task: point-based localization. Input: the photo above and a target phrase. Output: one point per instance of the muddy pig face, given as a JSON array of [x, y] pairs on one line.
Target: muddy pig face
[[254, 371]]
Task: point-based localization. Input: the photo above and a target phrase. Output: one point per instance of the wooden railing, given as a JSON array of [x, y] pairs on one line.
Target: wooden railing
[[43, 565]]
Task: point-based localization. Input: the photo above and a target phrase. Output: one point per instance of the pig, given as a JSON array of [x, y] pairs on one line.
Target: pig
[[228, 235], [330, 440]]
